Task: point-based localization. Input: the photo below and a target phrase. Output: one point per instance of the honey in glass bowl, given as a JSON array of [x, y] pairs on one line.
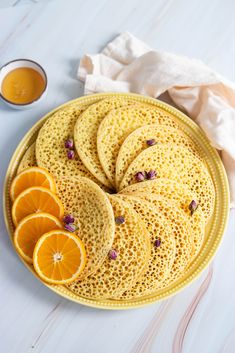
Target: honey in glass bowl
[[22, 85]]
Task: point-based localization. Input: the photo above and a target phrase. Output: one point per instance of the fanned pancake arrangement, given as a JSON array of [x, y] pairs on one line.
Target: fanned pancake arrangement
[[134, 196]]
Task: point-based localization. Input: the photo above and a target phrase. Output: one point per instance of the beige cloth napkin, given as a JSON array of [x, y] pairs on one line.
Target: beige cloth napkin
[[128, 65]]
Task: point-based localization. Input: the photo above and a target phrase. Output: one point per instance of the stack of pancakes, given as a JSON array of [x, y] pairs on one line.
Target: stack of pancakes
[[130, 187]]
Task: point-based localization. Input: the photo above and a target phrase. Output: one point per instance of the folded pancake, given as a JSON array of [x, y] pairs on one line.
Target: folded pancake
[[132, 247], [182, 196], [182, 231], [146, 136], [28, 159], [94, 218], [51, 153], [85, 134], [177, 163], [163, 248], [118, 124]]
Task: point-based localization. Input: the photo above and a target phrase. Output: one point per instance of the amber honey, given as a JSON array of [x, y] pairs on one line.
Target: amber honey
[[22, 85]]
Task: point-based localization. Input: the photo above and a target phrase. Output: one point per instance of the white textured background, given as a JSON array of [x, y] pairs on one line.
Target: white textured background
[[57, 33]]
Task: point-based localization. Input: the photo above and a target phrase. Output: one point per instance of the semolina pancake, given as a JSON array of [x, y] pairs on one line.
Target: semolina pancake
[[132, 246], [117, 125], [179, 164], [182, 231], [51, 153], [85, 134], [145, 136], [140, 243], [162, 257], [182, 196], [28, 159], [94, 218]]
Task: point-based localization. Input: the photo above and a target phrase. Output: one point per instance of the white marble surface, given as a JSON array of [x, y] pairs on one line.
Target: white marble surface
[[56, 33]]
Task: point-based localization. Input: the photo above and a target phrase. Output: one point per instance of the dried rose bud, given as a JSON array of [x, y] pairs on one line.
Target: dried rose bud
[[120, 220], [151, 174], [140, 176], [69, 144], [70, 227], [68, 219], [112, 254], [70, 154], [193, 206], [157, 243], [151, 142]]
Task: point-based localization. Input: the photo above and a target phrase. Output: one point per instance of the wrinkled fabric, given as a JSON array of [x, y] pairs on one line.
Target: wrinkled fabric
[[128, 65]]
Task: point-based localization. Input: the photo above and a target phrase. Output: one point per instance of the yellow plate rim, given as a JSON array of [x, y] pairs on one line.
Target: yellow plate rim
[[216, 227]]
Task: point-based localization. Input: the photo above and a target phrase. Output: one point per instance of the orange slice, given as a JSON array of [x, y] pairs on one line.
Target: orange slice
[[36, 199], [59, 257], [33, 176], [30, 229]]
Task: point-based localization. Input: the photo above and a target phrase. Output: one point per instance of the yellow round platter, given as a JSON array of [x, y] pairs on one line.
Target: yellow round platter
[[214, 230]]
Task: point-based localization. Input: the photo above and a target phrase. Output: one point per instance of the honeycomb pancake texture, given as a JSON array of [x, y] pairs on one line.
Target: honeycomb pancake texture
[[85, 134], [136, 142], [94, 218], [182, 230], [179, 164], [117, 125], [132, 243], [51, 153], [161, 258], [182, 196], [160, 240]]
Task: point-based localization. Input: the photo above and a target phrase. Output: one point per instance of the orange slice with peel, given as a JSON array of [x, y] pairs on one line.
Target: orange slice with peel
[[33, 176], [30, 229], [59, 257], [36, 199]]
